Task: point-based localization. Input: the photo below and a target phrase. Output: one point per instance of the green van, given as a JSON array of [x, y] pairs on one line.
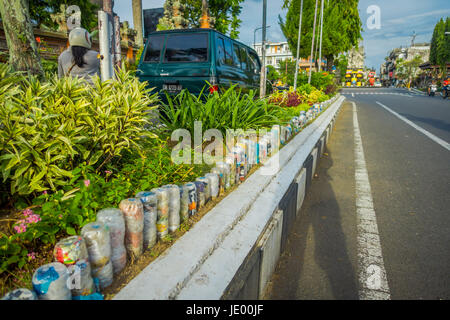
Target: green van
[[173, 60]]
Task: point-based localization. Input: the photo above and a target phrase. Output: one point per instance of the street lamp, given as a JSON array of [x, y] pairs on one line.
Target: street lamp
[[254, 35]]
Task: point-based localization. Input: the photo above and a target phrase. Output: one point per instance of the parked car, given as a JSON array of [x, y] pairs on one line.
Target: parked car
[[173, 60]]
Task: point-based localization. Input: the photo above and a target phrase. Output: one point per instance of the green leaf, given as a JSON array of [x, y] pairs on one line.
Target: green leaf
[[71, 231]]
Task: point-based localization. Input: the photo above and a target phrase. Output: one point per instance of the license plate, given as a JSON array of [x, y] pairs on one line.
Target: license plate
[[172, 87]]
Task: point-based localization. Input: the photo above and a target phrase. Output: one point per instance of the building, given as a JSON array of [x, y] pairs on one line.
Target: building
[[388, 68], [276, 52], [356, 57]]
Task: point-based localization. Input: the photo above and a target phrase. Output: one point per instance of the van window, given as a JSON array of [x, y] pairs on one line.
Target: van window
[[228, 53], [221, 51], [243, 56], [236, 56], [254, 62], [186, 48], [154, 47]]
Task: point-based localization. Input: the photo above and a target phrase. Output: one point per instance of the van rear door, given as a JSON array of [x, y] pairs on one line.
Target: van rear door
[[149, 67], [186, 62]]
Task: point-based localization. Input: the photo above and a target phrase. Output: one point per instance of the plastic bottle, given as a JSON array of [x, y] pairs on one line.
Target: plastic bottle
[[275, 132], [174, 206], [69, 250], [226, 172], [231, 161], [201, 197], [162, 221], [98, 242], [302, 118], [192, 197], [214, 181], [114, 220], [241, 167], [207, 188], [268, 138], [50, 282], [150, 203], [81, 280], [184, 203], [133, 213], [221, 174], [20, 294]]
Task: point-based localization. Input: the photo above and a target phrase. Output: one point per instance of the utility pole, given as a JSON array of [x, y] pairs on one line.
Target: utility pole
[[137, 21], [105, 37], [321, 29], [117, 47], [106, 40], [298, 45], [262, 86], [312, 44]]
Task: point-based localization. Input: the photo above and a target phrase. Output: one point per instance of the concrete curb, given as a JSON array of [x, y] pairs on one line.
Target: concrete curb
[[226, 245], [418, 91]]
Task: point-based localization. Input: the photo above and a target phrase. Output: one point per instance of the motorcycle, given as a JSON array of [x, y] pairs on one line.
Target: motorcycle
[[432, 90]]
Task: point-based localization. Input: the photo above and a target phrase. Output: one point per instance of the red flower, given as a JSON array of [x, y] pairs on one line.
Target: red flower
[[38, 39]]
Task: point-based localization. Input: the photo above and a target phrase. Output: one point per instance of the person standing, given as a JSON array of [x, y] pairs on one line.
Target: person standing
[[79, 60]]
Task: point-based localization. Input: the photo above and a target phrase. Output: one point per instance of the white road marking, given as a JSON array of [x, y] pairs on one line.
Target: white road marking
[[372, 274], [438, 140], [353, 94]]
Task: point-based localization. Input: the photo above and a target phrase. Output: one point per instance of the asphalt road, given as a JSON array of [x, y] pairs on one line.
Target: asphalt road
[[408, 169]]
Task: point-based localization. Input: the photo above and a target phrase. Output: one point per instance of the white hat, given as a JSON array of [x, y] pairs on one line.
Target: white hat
[[80, 37]]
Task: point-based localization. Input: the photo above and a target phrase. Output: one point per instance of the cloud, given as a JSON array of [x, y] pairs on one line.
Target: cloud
[[399, 19], [251, 16]]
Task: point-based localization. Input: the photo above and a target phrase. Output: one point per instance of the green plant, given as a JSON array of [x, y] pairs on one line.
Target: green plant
[[49, 128], [67, 210], [226, 110]]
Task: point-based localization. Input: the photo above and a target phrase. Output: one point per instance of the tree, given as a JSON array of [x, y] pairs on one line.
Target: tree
[[408, 69], [287, 71], [272, 74], [225, 14], [341, 64], [23, 52], [440, 44], [41, 11], [341, 27], [173, 16]]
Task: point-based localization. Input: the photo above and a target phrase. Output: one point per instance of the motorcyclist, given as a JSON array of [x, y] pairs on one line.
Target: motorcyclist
[[432, 88], [445, 87]]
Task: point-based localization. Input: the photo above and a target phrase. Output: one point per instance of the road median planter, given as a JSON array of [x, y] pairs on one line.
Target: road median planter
[[224, 255]]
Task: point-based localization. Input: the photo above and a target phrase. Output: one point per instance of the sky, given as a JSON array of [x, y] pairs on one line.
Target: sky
[[399, 19]]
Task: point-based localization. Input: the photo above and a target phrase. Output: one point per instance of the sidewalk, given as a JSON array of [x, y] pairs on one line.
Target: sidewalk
[[320, 258]]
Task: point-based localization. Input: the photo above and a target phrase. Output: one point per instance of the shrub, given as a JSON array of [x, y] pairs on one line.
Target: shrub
[[48, 128], [67, 210], [227, 110]]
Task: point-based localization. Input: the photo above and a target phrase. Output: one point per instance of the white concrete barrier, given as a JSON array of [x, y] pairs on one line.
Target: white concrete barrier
[[301, 191], [204, 261], [270, 249], [315, 155]]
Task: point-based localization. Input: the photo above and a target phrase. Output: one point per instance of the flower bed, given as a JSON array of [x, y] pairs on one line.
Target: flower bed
[[53, 212]]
